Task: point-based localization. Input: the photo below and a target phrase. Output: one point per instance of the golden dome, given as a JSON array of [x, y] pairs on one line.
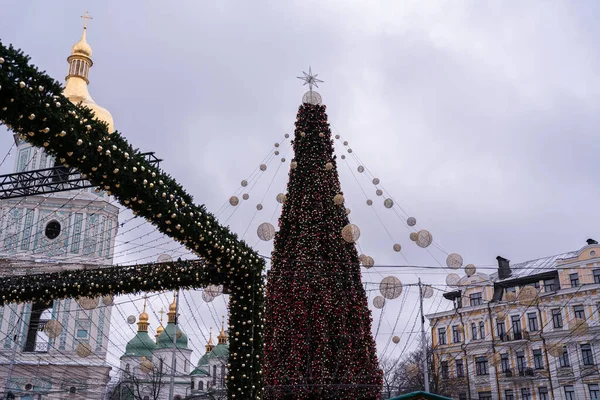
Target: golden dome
[[144, 316], [173, 306], [82, 48], [222, 338], [159, 330]]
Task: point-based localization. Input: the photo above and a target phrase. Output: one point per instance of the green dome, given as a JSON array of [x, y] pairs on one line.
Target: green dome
[[140, 345], [165, 340], [199, 371]]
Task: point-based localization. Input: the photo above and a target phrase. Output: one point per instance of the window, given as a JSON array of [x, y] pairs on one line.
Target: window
[[127, 368], [82, 334], [505, 362], [485, 395], [455, 334], [445, 370], [201, 385], [532, 321], [521, 363], [597, 276], [516, 326], [476, 299], [574, 278], [37, 340], [525, 394], [442, 335], [481, 366], [460, 369], [564, 359], [481, 330], [538, 361], [501, 327], [474, 331], [192, 385], [550, 285], [222, 375], [594, 391], [511, 289], [72, 389], [146, 397], [557, 321], [52, 230], [509, 394], [543, 391], [214, 382], [586, 354], [579, 312], [569, 392]]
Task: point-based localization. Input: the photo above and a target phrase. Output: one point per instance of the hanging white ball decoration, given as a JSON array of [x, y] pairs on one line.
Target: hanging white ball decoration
[[244, 183], [338, 199], [53, 328], [245, 196], [337, 136], [470, 269], [454, 261], [350, 233], [390, 287], [214, 290], [347, 211], [280, 197], [369, 202], [388, 203], [259, 207], [276, 145], [424, 238], [413, 236], [131, 320], [293, 165], [345, 143], [361, 168], [426, 291], [266, 231], [396, 339], [379, 192], [83, 350], [312, 97], [276, 152], [87, 303], [234, 201], [375, 181], [452, 280], [397, 247], [287, 135], [368, 262], [378, 302], [329, 166], [343, 157], [361, 258], [411, 221], [263, 167], [349, 150], [207, 297], [303, 134], [107, 300]]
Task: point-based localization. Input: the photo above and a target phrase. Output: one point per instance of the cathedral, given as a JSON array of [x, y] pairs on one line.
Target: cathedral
[[57, 350], [147, 366]]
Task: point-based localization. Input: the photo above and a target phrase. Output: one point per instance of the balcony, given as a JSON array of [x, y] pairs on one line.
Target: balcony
[[514, 337], [587, 370], [519, 374]]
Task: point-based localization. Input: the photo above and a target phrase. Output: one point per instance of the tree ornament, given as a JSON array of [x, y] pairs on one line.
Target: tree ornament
[[411, 221], [266, 231], [244, 183], [303, 134], [83, 350], [329, 166], [283, 159], [276, 152], [378, 302], [293, 165], [368, 262], [259, 207], [397, 247], [345, 143], [350, 233], [426, 291], [280, 197], [338, 199], [32, 116], [287, 135], [107, 300], [53, 328], [388, 203], [369, 202], [245, 196], [131, 320], [390, 287], [349, 150], [452, 280], [396, 339], [375, 181], [343, 157], [361, 169], [379, 192], [424, 238], [233, 200], [276, 145], [470, 269], [454, 261], [87, 303], [347, 211], [263, 167]]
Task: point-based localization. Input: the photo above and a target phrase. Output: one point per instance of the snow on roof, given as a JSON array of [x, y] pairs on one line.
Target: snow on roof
[[533, 267]]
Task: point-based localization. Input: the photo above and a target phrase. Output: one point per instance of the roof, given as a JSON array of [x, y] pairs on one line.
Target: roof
[[421, 396], [533, 267], [199, 371], [165, 339], [140, 345]]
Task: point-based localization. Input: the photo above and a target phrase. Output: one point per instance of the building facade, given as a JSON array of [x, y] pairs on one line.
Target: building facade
[[147, 365], [531, 331], [57, 350]]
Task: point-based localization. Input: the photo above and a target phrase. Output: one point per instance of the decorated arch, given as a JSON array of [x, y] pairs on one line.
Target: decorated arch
[[32, 105]]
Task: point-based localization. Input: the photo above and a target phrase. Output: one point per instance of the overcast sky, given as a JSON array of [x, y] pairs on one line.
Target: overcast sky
[[479, 117]]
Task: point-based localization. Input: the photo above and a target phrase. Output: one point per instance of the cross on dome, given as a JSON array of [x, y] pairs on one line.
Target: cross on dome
[[85, 18]]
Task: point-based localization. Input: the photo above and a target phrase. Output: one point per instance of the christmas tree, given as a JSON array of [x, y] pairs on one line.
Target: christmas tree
[[318, 341]]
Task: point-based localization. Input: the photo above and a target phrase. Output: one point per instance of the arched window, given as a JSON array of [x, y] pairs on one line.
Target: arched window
[[214, 382], [126, 367], [72, 389], [146, 397], [201, 385], [192, 385], [177, 397], [222, 375]]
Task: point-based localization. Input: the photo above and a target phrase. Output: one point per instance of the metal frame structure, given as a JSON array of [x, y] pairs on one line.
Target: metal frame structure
[[49, 180]]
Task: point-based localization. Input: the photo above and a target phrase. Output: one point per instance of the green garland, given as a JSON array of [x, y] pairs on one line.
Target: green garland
[[32, 105]]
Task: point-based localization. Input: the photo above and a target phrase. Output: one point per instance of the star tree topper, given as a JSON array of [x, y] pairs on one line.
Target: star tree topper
[[310, 79]]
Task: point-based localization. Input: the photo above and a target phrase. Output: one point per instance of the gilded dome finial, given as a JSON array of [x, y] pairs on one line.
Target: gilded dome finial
[[210, 345], [222, 338], [172, 314], [82, 48], [160, 328], [143, 320]]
